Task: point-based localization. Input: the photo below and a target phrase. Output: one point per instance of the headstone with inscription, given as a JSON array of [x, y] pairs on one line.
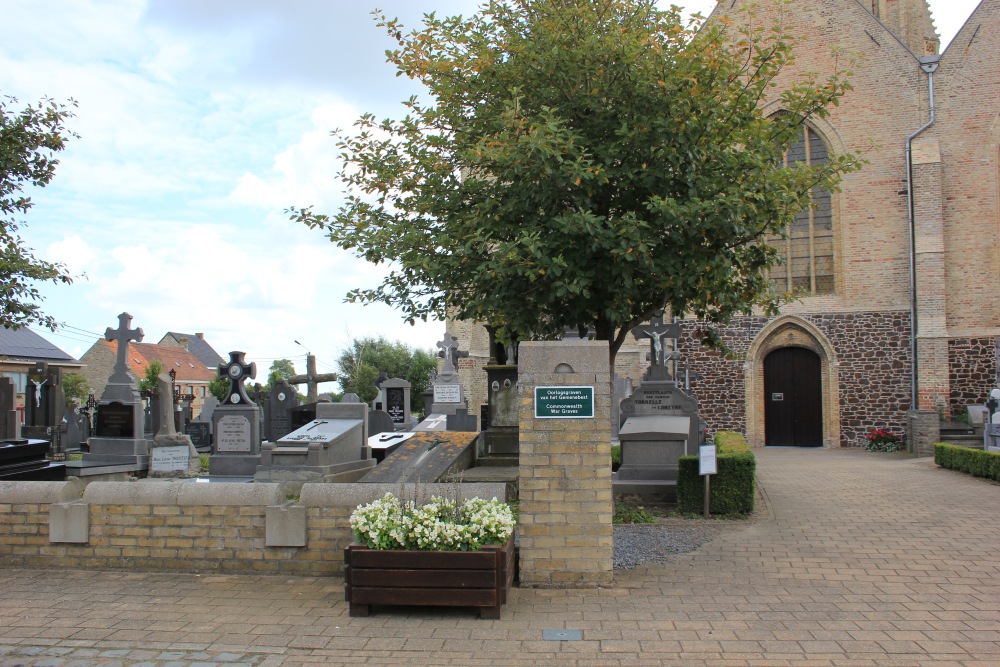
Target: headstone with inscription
[[447, 391], [235, 424], [171, 454], [278, 418], [200, 434], [9, 420], [396, 393], [44, 403], [118, 427], [658, 423]]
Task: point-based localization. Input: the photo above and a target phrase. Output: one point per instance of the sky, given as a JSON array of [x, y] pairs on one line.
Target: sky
[[200, 123]]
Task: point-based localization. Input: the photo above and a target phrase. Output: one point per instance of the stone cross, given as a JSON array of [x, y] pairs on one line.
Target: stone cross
[[449, 350], [312, 379], [123, 335], [658, 333], [237, 371]]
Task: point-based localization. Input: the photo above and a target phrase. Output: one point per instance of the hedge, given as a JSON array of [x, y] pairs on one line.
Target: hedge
[[964, 459], [732, 490]]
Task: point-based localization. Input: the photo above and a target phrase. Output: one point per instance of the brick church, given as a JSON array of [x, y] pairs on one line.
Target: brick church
[[900, 270]]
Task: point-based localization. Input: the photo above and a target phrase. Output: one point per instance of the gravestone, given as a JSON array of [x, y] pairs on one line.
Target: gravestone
[[396, 394], [332, 447], [379, 421], [171, 454], [44, 403], [235, 424], [500, 430], [278, 417], [433, 422], [118, 428], [77, 429], [25, 460], [350, 397], [9, 420], [461, 421], [447, 391], [200, 434], [208, 406], [658, 423]]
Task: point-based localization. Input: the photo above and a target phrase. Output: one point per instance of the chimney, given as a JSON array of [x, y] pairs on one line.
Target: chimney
[[200, 335]]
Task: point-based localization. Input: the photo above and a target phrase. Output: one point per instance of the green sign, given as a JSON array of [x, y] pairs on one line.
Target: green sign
[[564, 402]]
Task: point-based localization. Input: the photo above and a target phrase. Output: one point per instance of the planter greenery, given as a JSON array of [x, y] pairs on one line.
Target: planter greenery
[[964, 459], [442, 553], [882, 440], [733, 489]]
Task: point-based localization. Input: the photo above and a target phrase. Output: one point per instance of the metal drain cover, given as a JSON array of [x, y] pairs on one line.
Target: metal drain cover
[[562, 635]]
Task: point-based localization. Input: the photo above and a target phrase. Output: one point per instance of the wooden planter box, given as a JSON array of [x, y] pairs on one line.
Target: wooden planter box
[[431, 578]]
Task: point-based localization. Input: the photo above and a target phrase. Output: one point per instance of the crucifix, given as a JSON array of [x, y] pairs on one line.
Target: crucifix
[[449, 350], [312, 379], [658, 333], [237, 371], [123, 335]]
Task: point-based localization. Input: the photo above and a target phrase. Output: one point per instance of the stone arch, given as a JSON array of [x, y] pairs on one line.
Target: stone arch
[[791, 331]]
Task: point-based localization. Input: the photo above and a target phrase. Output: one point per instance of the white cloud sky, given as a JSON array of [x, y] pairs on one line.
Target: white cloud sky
[[199, 123]]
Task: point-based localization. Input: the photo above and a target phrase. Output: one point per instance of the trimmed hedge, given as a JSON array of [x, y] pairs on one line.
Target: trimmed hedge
[[964, 459], [732, 490]]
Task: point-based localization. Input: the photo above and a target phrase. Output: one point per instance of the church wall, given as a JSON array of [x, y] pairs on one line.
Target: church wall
[[973, 367], [873, 372]]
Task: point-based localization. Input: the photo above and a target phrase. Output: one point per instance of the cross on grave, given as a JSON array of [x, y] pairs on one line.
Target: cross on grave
[[237, 371], [123, 335], [449, 350], [658, 332], [312, 379]]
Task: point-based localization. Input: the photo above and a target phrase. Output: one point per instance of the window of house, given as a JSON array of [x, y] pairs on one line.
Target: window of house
[[807, 250]]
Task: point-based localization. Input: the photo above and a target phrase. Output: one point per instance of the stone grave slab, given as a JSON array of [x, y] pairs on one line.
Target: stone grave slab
[[327, 447], [385, 443]]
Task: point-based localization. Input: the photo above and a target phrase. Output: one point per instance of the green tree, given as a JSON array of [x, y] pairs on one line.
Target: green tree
[[76, 387], [29, 138], [360, 365], [219, 387], [151, 382], [281, 369], [580, 163]]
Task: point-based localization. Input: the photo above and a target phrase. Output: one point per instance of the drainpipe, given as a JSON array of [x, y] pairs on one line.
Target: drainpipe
[[928, 64]]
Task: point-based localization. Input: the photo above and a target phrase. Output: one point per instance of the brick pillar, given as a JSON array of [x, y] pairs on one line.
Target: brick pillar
[[565, 470], [923, 429]]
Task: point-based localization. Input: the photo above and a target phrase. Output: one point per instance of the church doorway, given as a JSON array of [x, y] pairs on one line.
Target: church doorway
[[793, 398]]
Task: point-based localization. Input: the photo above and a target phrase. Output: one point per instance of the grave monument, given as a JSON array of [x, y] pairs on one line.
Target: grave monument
[[171, 454], [312, 379], [278, 416], [448, 396], [236, 424], [659, 421], [10, 422], [396, 402], [118, 430]]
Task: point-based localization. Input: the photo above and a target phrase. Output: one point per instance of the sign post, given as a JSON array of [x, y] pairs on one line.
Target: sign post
[[707, 466]]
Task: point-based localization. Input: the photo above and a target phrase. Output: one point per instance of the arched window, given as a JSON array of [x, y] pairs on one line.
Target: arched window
[[807, 250]]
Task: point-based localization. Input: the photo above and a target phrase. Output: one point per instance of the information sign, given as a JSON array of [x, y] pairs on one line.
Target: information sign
[[564, 402], [706, 460]]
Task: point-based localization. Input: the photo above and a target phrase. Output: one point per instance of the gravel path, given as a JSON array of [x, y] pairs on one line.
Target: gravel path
[[638, 544]]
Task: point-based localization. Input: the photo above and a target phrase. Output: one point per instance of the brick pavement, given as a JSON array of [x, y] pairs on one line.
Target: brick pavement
[[855, 559]]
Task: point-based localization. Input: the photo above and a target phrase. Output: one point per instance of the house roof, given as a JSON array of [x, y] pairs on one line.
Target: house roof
[[25, 345], [199, 347], [189, 367]]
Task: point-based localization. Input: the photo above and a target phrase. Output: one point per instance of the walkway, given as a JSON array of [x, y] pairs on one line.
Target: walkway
[[855, 559]]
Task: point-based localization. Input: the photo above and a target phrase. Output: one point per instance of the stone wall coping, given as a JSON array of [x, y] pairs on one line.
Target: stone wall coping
[[18, 493], [352, 495], [182, 494]]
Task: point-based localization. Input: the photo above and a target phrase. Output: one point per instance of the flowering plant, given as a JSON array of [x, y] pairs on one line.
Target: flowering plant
[[440, 525], [882, 440]]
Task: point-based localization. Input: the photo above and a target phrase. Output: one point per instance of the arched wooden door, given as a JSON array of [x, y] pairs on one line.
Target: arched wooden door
[[793, 398]]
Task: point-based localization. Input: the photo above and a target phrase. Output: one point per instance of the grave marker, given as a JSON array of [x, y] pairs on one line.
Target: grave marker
[[236, 423]]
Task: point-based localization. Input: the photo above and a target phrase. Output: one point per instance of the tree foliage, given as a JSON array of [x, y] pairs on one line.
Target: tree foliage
[[76, 387], [29, 139], [365, 359], [151, 382], [580, 163], [219, 387]]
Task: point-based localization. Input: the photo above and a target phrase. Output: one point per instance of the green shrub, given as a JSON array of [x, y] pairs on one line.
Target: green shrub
[[732, 490], [616, 457], [625, 513], [964, 459]]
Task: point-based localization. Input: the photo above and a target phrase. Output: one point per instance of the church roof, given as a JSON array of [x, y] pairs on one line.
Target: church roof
[[25, 345], [189, 367]]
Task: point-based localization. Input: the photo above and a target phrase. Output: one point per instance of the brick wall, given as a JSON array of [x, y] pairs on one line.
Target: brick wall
[[188, 527]]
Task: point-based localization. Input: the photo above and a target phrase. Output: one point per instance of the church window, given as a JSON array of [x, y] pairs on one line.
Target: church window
[[807, 249]]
